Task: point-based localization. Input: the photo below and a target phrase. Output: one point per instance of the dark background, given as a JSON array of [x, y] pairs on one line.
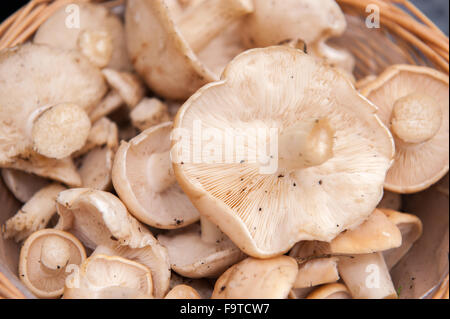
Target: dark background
[[436, 10]]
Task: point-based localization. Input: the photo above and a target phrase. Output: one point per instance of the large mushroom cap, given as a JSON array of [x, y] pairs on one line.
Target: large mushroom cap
[[414, 102], [266, 208], [44, 258], [95, 19], [144, 179]]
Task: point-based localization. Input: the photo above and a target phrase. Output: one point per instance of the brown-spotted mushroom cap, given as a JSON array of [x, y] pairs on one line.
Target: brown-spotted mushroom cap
[[410, 227], [44, 258], [273, 22], [257, 279], [330, 291], [317, 271], [34, 215], [99, 218], [413, 102], [175, 71], [144, 180], [182, 292], [23, 185], [328, 173], [110, 277], [100, 35], [194, 254]]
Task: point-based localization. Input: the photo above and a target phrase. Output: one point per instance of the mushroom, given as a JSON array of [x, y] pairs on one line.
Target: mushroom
[[110, 277], [182, 292], [333, 152], [95, 168], [34, 215], [21, 184], [100, 36], [410, 227], [330, 291], [197, 252], [110, 103], [143, 178], [316, 272], [414, 102], [45, 259], [40, 89], [257, 279], [99, 218], [203, 286], [273, 22], [148, 113], [390, 200], [128, 85], [176, 72]]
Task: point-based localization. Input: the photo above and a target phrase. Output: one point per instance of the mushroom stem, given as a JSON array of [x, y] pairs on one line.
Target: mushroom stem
[[55, 254], [306, 145], [416, 118], [216, 15], [160, 171], [210, 232]]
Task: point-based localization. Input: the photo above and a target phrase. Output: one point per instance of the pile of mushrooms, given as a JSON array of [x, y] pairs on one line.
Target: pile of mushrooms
[[98, 142]]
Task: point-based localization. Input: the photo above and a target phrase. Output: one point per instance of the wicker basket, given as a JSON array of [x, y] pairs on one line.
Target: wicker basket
[[405, 36]]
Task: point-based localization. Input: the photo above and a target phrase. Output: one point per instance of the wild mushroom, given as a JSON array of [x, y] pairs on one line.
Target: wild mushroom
[[257, 279], [273, 22], [330, 291], [316, 272], [325, 176], [203, 286], [143, 178], [100, 36], [128, 85], [21, 184], [44, 259], [104, 132], [410, 227], [200, 251], [95, 168], [110, 103], [30, 112], [414, 102], [176, 72], [34, 215], [390, 200], [182, 292], [100, 219], [148, 113], [110, 277]]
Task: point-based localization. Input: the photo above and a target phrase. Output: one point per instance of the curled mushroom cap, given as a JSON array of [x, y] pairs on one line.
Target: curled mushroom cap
[[100, 218], [414, 102], [100, 35], [44, 258], [176, 72], [144, 179], [257, 279], [22, 185], [328, 139], [182, 292], [110, 277], [330, 291]]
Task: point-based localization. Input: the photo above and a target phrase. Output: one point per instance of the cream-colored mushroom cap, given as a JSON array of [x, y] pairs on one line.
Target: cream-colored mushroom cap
[[100, 218], [257, 279], [144, 179], [182, 292], [110, 277], [192, 257], [317, 271], [44, 258], [22, 185], [330, 291], [100, 35], [413, 102], [329, 153]]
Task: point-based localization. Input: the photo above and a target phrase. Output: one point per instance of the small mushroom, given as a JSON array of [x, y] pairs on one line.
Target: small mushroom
[[182, 292], [144, 180], [100, 36], [414, 102], [21, 184], [110, 277], [34, 215], [100, 219], [317, 192], [128, 85], [95, 168], [330, 291], [110, 103], [104, 132], [257, 279], [148, 113], [176, 72], [44, 259], [203, 286], [316, 272], [198, 252], [273, 22], [390, 200], [410, 227]]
